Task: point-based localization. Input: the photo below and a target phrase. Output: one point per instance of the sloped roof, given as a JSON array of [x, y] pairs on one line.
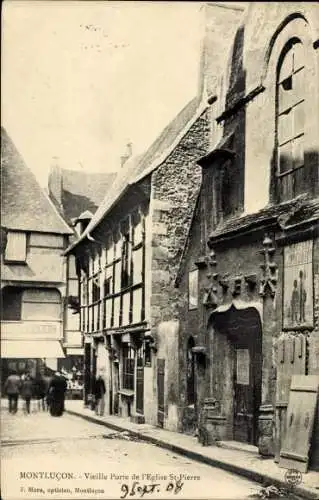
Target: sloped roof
[[24, 204], [286, 214], [136, 168], [83, 191], [122, 181]]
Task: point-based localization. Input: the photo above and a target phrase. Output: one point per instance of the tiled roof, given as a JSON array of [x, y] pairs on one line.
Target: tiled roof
[[138, 167], [287, 214], [123, 179], [83, 191], [24, 204]]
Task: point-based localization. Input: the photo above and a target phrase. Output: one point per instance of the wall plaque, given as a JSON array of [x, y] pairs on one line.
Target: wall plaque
[[243, 363], [298, 285]]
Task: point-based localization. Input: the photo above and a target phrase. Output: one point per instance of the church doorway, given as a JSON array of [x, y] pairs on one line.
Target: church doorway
[[241, 328]]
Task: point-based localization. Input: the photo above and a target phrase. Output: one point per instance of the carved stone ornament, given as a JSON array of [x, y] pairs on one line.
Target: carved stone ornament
[[237, 286], [210, 299], [268, 283]]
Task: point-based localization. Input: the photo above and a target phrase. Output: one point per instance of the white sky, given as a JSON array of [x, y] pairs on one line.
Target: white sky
[[80, 79]]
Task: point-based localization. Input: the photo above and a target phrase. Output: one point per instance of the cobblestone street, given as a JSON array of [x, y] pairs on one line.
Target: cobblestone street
[[69, 449]]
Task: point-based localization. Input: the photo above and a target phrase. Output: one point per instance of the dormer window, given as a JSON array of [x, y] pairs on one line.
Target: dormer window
[[16, 249]]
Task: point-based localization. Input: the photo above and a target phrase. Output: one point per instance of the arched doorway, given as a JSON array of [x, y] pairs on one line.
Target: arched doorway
[[237, 370]]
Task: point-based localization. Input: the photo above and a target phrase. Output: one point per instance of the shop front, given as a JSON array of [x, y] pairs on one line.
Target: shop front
[[30, 346]]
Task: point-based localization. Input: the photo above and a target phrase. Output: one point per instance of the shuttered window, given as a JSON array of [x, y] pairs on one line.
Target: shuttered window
[[16, 249]]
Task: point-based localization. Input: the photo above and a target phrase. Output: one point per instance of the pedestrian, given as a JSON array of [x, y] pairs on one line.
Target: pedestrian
[[99, 391], [47, 382], [56, 395], [40, 391], [12, 389], [27, 390]]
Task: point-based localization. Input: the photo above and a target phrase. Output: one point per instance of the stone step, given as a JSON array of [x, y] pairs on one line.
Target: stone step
[[237, 445]]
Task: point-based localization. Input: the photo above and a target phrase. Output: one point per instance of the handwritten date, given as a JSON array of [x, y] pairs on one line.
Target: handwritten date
[[146, 489]]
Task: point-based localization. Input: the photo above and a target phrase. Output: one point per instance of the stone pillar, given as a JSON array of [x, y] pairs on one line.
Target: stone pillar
[[266, 426]]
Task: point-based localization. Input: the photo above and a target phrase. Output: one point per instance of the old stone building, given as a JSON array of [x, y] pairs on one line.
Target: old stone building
[[123, 261], [248, 279], [33, 278], [129, 255]]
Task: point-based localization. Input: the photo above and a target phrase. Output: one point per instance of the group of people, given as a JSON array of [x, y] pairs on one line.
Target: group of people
[[48, 391]]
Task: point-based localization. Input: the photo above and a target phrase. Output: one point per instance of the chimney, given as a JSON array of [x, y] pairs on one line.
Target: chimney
[[55, 182], [127, 153]]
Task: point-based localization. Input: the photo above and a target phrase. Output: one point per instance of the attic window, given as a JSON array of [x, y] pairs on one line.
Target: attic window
[[16, 249]]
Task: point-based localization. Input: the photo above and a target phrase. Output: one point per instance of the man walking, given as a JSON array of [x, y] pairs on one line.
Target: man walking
[[99, 392], [12, 389], [27, 391]]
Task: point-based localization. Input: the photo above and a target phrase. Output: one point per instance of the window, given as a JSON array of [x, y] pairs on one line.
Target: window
[[193, 289], [94, 294], [125, 275], [290, 121], [115, 282], [16, 249], [128, 367], [147, 354], [41, 304]]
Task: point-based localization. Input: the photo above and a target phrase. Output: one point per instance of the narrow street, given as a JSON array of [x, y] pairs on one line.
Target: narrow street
[[47, 457]]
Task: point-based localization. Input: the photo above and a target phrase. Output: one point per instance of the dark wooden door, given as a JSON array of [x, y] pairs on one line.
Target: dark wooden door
[[160, 391], [116, 382], [247, 386], [140, 385]]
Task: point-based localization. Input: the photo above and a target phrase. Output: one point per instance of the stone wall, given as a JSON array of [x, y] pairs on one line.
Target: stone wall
[[175, 187]]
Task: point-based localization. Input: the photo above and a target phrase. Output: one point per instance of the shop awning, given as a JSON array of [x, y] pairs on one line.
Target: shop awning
[[31, 349]]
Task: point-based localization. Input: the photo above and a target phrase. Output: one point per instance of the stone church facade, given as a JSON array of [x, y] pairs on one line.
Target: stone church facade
[[248, 279]]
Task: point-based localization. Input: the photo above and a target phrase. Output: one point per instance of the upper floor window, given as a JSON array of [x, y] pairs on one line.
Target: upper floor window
[[290, 121], [16, 249], [125, 274]]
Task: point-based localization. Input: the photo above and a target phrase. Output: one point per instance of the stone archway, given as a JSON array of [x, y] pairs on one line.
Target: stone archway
[[237, 370]]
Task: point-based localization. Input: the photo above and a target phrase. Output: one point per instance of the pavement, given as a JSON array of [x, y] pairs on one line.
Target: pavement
[[248, 464], [71, 458]]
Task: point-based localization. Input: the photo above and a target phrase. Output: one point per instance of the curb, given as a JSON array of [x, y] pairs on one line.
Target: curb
[[261, 478]]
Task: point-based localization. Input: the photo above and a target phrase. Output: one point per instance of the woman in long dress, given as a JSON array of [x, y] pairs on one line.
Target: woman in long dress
[[57, 388]]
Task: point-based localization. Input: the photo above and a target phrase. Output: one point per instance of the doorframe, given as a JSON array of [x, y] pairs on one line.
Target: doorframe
[[237, 306]]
